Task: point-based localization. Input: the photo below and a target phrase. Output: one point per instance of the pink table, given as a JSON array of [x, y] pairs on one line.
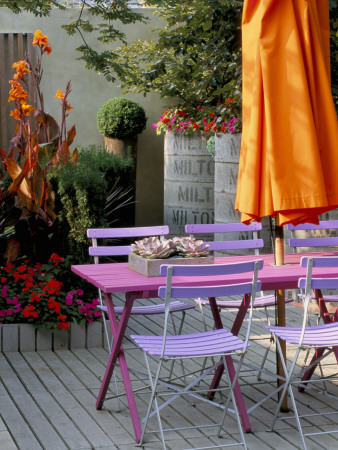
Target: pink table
[[117, 277]]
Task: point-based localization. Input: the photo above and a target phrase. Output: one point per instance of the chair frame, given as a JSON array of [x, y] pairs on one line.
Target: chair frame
[[307, 337], [123, 250], [167, 348], [261, 301]]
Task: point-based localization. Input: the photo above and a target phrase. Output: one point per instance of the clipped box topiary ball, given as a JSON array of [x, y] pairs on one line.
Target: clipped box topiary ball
[[120, 118]]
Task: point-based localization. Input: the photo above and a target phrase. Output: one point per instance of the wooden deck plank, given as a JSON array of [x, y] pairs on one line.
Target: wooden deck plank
[[46, 394], [60, 421], [48, 366]]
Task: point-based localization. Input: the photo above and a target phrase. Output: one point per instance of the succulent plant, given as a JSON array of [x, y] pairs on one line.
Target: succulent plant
[[153, 248], [192, 248]]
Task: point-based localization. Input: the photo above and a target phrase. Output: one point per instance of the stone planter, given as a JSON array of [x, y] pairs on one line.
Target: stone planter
[[188, 182], [227, 150], [122, 147], [152, 267], [26, 338]]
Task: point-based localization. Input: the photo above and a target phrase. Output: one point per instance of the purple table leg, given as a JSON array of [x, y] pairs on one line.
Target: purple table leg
[[231, 369], [118, 331]]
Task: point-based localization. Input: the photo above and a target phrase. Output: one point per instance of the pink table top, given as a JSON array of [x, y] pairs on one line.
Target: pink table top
[[117, 277]]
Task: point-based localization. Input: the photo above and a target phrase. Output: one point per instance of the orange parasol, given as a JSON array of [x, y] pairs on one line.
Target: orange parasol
[[288, 165], [289, 154]]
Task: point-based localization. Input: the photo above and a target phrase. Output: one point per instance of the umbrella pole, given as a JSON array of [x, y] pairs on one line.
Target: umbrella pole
[[279, 247]]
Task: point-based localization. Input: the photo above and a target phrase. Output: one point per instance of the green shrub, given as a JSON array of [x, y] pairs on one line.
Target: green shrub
[[121, 118], [82, 189]]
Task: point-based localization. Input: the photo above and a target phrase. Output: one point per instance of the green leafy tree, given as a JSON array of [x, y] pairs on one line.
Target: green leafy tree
[[195, 56]]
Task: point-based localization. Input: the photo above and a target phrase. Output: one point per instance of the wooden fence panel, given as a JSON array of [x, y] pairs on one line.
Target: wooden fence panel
[[13, 47]]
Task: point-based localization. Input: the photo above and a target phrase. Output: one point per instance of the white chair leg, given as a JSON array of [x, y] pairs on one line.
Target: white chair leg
[[177, 332], [231, 397], [153, 400]]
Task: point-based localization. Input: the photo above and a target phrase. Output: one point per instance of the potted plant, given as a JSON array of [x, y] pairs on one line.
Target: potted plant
[[148, 254], [120, 120]]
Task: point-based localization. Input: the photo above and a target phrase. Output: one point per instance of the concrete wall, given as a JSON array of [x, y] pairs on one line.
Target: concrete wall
[[89, 91]]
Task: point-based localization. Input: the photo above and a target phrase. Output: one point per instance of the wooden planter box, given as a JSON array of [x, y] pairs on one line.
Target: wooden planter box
[[26, 338], [151, 267]]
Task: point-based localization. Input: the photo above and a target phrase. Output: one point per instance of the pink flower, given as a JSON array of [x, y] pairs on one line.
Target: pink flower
[[68, 301], [82, 309], [79, 302], [4, 291], [231, 130], [97, 314], [70, 296], [79, 292], [10, 312]]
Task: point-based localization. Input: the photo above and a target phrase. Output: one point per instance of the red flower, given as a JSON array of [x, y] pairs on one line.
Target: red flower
[[52, 304], [62, 318], [165, 120], [55, 257], [3, 280], [195, 126], [16, 276], [63, 325], [30, 311], [22, 269]]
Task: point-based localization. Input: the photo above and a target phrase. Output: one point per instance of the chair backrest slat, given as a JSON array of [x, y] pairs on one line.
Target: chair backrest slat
[[229, 228], [222, 227], [216, 289], [114, 250], [119, 233], [323, 225], [313, 241], [235, 245], [319, 262], [110, 233]]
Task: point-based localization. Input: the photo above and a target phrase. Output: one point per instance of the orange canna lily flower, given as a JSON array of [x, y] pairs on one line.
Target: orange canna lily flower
[[17, 92], [41, 40], [60, 94], [21, 69], [26, 108], [16, 114]]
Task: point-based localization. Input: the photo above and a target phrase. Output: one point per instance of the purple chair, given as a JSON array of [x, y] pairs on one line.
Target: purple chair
[[315, 242], [247, 239], [217, 343], [115, 236], [322, 338], [123, 250]]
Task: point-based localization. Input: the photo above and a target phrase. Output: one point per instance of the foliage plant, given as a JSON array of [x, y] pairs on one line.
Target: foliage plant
[[204, 14], [27, 202], [33, 293], [94, 191], [195, 57], [121, 118]]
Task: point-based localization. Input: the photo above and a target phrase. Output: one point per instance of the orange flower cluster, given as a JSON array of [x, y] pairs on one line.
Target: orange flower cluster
[[61, 95], [17, 93], [41, 40], [21, 69]]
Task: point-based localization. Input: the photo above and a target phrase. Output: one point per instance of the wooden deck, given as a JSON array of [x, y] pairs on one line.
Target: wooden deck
[[47, 400]]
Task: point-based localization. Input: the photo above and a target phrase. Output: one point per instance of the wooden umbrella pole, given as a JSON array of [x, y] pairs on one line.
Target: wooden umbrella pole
[[279, 232]]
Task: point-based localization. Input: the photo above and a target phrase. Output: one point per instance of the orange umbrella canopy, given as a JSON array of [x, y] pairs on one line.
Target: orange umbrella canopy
[[289, 152]]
